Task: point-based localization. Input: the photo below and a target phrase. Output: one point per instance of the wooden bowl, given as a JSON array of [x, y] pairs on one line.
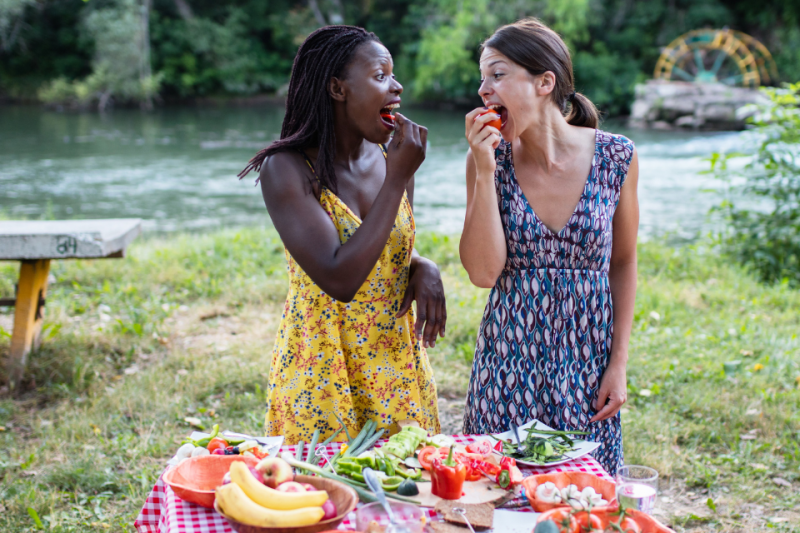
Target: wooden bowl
[[606, 489], [344, 497], [195, 479]]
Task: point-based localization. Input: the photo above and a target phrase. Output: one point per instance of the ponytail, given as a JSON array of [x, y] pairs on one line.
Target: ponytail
[[582, 112]]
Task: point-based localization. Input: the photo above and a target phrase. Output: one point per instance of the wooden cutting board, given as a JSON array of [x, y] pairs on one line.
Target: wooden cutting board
[[483, 491]]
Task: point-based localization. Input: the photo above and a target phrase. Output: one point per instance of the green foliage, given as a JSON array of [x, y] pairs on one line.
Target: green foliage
[[766, 235], [247, 46]]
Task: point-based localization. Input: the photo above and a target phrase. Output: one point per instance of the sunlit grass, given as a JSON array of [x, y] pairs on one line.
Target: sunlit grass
[[184, 327]]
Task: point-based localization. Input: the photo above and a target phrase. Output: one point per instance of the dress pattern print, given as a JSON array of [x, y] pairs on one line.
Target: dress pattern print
[[545, 338], [353, 360]]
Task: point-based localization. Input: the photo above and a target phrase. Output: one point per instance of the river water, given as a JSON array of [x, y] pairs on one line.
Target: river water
[[176, 168]]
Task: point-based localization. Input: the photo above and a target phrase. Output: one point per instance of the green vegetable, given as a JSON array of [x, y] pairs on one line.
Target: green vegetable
[[391, 483], [408, 473], [408, 488], [202, 443], [312, 447]]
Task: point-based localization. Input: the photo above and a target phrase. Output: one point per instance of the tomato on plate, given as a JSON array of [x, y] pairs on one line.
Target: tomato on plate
[[481, 447], [215, 443], [627, 525], [562, 518], [588, 522], [426, 456]]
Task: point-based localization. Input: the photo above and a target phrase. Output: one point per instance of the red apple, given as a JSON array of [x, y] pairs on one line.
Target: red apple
[[309, 487], [330, 510], [291, 486], [275, 471]]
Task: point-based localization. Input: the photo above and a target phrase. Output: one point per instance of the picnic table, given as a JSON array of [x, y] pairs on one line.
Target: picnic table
[[163, 512], [35, 243]]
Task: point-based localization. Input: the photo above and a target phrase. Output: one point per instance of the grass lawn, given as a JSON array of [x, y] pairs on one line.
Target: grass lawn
[[184, 327]]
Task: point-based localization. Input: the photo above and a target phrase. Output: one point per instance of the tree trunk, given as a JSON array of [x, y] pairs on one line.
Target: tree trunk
[[317, 13], [145, 70]]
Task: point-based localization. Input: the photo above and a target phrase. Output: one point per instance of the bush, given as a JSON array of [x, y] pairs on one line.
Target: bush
[[766, 235]]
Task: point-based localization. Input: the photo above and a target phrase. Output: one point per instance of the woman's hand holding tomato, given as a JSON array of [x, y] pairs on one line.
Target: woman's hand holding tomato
[[483, 138], [406, 151]]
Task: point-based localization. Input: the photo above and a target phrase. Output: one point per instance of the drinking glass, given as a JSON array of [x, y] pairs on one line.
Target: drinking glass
[[637, 487]]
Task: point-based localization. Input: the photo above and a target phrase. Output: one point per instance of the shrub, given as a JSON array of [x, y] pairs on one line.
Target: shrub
[[766, 233]]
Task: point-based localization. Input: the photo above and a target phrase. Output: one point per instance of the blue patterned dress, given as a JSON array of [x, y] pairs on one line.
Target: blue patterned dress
[[546, 333]]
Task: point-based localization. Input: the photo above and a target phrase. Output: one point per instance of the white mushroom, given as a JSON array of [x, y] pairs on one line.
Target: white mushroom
[[589, 492], [570, 492], [197, 452], [184, 451], [548, 493]]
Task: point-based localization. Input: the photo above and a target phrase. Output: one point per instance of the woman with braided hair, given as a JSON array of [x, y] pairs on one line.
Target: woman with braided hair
[[551, 224], [349, 347]]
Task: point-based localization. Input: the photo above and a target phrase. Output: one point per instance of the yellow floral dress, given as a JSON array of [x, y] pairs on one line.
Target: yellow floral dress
[[353, 360]]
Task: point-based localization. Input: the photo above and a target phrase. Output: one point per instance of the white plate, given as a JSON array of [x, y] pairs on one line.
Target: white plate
[[582, 447]]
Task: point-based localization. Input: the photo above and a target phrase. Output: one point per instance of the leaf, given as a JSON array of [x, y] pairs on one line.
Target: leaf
[[711, 505], [35, 516]]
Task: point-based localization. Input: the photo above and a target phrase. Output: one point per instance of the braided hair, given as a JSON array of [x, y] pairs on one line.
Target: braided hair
[[308, 121]]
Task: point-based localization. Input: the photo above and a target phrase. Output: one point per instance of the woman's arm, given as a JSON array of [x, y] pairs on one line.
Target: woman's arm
[[622, 279], [483, 242], [310, 235]]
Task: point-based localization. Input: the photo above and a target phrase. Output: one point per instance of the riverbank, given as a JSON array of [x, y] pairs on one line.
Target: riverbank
[[184, 326]]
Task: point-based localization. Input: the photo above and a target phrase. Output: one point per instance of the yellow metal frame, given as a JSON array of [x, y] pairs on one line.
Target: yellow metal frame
[[754, 61]]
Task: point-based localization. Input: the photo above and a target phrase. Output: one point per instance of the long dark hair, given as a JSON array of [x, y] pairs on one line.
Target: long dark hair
[[308, 122], [539, 49]]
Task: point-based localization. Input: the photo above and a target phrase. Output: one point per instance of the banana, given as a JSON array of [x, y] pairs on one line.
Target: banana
[[271, 498], [235, 504]]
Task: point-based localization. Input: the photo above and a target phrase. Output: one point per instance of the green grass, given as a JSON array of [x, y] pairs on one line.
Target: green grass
[[134, 346]]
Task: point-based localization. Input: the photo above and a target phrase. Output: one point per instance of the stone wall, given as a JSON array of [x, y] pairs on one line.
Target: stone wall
[[664, 104]]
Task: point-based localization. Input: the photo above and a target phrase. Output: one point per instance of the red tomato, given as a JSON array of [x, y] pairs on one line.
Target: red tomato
[[388, 117], [628, 525], [496, 123], [481, 447], [588, 522], [563, 519], [427, 455], [217, 443]]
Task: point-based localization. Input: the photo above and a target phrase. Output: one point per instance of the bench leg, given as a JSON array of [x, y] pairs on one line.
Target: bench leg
[[28, 314]]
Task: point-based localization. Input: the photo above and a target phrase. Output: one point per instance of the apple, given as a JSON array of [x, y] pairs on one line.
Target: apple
[[309, 487], [275, 471], [291, 486], [330, 510], [256, 474]]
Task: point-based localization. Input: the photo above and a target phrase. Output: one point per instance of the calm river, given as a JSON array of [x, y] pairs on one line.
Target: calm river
[[176, 168]]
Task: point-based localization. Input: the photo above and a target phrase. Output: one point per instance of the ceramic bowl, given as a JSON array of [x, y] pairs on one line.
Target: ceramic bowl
[[344, 497], [607, 489], [195, 479]]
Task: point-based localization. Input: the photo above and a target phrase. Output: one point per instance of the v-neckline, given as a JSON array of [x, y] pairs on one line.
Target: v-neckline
[[580, 199]]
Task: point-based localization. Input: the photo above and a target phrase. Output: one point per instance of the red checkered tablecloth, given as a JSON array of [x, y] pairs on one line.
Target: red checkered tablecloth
[[163, 512]]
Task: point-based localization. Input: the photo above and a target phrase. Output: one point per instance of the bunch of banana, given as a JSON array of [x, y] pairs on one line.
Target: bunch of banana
[[250, 502]]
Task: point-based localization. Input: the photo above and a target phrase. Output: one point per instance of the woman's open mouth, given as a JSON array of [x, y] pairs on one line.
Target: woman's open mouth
[[387, 116], [502, 111]]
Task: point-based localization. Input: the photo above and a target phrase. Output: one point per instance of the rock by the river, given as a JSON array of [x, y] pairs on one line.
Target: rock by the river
[[664, 104]]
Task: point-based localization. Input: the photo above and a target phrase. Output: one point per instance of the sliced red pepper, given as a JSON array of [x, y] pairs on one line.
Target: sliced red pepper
[[507, 462], [498, 447], [448, 477]]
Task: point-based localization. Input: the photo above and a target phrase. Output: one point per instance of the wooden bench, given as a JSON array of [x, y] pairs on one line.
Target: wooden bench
[[35, 243]]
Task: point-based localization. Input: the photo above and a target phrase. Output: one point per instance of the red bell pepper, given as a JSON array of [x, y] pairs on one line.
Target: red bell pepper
[[509, 474], [448, 477], [498, 447]]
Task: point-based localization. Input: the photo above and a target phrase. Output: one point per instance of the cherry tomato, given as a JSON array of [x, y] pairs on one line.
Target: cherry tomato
[[563, 519], [496, 123], [427, 455], [628, 525], [588, 522], [481, 447], [388, 117], [217, 443]]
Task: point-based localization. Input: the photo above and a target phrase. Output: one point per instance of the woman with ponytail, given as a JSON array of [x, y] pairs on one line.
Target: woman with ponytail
[[349, 349], [551, 224]]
